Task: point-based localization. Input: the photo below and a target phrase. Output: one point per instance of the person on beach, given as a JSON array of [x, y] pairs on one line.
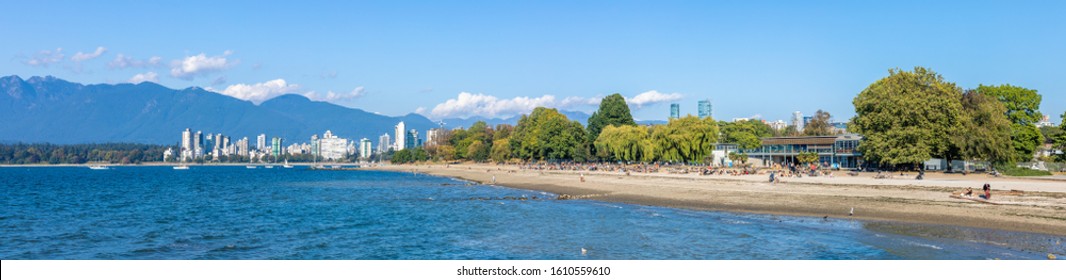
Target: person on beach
[[988, 191], [969, 192], [772, 177]]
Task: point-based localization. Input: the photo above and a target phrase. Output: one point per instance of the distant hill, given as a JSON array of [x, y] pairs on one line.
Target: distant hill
[[48, 109]]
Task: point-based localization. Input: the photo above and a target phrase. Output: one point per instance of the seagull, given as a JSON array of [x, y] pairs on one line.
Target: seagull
[[852, 213]]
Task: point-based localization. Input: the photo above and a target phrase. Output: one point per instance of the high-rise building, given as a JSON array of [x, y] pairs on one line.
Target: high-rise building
[[401, 132], [365, 148], [261, 143], [242, 147], [705, 108], [797, 120], [316, 150], [331, 147], [198, 145], [384, 143], [675, 111], [186, 144], [411, 139], [807, 120], [275, 146], [432, 135]]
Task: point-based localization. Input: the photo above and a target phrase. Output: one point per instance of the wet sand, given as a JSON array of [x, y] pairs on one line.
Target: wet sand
[[1028, 205]]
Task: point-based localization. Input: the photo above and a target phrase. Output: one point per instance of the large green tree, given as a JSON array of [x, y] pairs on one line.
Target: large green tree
[[1060, 141], [819, 125], [685, 139], [613, 111], [985, 131], [746, 134], [546, 134], [1023, 111], [907, 117], [621, 142]]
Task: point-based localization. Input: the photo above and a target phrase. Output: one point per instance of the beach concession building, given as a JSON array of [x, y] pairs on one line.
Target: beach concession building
[[838, 151]]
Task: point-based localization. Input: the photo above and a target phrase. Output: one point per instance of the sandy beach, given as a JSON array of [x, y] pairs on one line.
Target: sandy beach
[[1024, 204]]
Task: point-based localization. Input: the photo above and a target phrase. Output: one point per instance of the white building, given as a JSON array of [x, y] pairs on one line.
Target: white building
[[797, 120], [261, 142], [401, 133], [384, 143], [365, 148], [332, 147], [777, 125]]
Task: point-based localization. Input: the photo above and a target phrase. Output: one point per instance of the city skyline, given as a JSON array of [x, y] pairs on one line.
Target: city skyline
[[751, 59]]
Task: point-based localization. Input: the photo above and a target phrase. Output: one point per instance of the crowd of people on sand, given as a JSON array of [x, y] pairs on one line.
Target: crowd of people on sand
[[776, 171]]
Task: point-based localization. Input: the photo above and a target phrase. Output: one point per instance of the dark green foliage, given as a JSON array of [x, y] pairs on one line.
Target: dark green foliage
[[985, 131], [1023, 111], [746, 134], [819, 125], [613, 111], [410, 155], [121, 153], [1011, 170], [907, 117]]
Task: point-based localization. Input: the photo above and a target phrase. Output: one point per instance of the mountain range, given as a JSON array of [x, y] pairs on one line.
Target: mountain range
[[52, 110]]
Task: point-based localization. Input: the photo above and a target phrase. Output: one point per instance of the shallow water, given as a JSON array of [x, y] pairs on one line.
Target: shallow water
[[237, 213]]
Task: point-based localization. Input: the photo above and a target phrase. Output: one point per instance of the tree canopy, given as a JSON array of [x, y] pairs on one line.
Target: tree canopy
[[613, 111], [685, 139], [819, 125], [624, 143], [907, 117], [746, 134], [1023, 111], [985, 131], [546, 134]]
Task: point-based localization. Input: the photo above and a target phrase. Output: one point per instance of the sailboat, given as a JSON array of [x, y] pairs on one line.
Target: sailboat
[[287, 165]]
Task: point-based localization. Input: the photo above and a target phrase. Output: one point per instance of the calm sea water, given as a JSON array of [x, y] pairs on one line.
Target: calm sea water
[[239, 213]]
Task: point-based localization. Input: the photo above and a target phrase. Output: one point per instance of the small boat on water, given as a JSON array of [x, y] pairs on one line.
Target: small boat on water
[[250, 166], [268, 166], [99, 167], [181, 167], [287, 165]]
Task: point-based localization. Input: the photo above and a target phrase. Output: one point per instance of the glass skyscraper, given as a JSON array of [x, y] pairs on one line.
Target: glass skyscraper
[[705, 108], [675, 111]]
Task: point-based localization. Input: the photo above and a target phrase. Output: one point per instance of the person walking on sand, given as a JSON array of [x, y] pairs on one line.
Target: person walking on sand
[[493, 179], [772, 181]]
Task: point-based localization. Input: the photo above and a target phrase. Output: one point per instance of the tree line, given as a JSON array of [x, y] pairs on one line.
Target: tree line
[[909, 117], [116, 153], [611, 135]]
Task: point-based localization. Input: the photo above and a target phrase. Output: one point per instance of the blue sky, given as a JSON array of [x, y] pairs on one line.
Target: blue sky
[[500, 58]]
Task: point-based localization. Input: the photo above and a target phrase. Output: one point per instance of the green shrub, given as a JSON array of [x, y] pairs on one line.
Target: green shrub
[[1011, 170]]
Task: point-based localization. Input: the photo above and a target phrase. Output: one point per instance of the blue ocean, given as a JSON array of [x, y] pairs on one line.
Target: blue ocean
[[231, 212]]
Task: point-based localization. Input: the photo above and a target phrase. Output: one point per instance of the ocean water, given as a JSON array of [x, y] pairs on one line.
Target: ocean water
[[237, 213]]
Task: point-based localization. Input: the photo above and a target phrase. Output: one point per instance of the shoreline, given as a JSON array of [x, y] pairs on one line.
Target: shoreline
[[1029, 205]]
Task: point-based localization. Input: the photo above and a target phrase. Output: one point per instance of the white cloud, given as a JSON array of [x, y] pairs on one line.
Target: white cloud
[[652, 97], [145, 77], [257, 93], [122, 61], [470, 104], [201, 64], [45, 57], [80, 56], [332, 96]]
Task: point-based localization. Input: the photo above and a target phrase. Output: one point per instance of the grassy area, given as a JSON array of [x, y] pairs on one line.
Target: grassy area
[[1011, 170]]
